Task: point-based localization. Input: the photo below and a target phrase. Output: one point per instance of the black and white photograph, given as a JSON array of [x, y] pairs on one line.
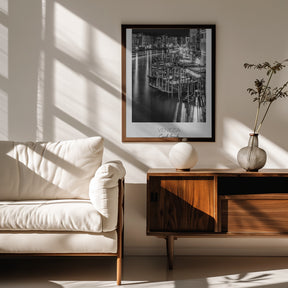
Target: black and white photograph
[[169, 81]]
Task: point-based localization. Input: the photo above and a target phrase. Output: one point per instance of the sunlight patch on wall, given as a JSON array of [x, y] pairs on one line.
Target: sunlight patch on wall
[[3, 115], [70, 33], [3, 51], [236, 136], [104, 112], [4, 73], [277, 157], [40, 97], [65, 131], [41, 78], [4, 6], [43, 20], [70, 92], [86, 106], [105, 55], [108, 78]]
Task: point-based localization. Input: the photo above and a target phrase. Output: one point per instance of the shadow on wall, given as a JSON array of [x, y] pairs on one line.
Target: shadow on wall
[[61, 73], [57, 77]]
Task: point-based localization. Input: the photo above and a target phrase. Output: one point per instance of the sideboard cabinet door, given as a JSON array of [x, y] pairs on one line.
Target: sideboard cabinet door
[[181, 204]]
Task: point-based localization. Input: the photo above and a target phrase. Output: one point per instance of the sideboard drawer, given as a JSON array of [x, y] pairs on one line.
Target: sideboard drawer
[[254, 213]]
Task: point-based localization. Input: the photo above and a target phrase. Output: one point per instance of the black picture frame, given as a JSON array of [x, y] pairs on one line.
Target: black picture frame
[[168, 83]]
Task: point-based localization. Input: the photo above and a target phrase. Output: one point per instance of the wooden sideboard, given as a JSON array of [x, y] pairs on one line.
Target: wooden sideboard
[[216, 203]]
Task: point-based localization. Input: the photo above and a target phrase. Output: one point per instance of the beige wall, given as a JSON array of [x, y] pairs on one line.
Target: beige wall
[[60, 78]]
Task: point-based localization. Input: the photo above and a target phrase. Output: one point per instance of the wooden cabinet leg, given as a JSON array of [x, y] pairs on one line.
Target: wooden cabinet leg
[[170, 250]]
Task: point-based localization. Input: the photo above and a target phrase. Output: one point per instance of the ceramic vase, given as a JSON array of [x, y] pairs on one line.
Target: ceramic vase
[[251, 157]]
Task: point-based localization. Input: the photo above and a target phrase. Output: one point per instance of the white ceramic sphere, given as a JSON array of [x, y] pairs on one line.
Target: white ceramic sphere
[[183, 156]]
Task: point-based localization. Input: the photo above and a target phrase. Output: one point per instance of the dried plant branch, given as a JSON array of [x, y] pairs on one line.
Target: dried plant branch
[[263, 93]]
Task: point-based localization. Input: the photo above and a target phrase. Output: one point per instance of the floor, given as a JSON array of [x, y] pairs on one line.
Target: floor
[[144, 271]]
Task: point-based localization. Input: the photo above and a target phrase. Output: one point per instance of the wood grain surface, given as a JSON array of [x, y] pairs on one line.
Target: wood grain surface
[[181, 204]]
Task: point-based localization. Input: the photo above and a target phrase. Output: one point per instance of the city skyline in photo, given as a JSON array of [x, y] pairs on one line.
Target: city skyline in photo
[[168, 75]]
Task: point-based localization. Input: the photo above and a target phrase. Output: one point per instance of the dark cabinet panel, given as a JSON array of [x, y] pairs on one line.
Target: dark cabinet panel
[[180, 204]]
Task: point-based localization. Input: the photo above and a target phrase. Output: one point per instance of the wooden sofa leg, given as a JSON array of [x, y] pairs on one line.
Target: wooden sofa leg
[[119, 270], [120, 229]]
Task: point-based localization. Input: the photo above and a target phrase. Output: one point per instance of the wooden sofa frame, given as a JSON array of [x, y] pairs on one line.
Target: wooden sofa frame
[[120, 234]]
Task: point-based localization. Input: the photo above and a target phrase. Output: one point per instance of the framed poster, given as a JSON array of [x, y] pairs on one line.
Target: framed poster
[[168, 83]]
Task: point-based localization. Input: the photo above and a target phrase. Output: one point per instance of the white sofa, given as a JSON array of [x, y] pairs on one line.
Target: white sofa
[[59, 199]]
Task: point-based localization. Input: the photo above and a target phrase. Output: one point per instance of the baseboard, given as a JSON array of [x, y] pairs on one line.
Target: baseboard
[[144, 251], [199, 251]]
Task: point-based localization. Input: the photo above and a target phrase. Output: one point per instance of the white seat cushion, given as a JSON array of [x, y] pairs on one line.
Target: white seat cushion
[[52, 215], [58, 242]]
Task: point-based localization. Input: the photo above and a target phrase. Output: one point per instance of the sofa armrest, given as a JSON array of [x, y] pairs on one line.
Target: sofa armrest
[[103, 192]]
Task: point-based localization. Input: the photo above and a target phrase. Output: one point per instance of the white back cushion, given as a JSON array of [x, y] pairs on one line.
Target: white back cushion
[[59, 170]]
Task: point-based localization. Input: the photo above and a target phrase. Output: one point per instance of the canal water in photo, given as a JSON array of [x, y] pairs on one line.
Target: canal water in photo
[[151, 104]]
